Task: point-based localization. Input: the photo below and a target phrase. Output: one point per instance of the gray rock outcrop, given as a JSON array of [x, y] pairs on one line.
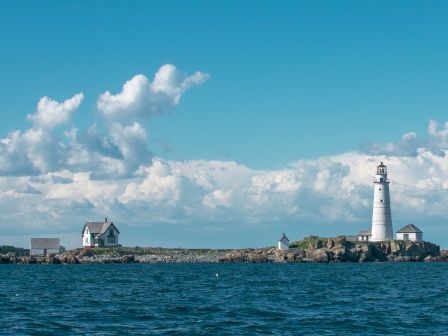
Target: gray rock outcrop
[[310, 249]]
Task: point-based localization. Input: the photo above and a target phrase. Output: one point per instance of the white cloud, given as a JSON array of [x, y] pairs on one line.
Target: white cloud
[[38, 149], [335, 189], [139, 98], [52, 178], [410, 144], [28, 153], [117, 149], [51, 113], [217, 198], [159, 188]]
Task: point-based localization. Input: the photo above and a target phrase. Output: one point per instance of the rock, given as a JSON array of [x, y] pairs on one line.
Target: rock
[[291, 257], [319, 255], [329, 243], [432, 259], [128, 259], [233, 257], [86, 252], [313, 249], [52, 259], [339, 254], [362, 258], [71, 259], [392, 258], [379, 251], [257, 258], [396, 246], [4, 259], [280, 255]]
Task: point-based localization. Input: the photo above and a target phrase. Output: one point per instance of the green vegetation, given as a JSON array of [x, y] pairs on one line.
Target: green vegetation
[[307, 242], [11, 249]]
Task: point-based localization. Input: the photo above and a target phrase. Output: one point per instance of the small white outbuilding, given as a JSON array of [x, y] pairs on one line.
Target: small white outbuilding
[[410, 232], [283, 243], [44, 246], [364, 235]]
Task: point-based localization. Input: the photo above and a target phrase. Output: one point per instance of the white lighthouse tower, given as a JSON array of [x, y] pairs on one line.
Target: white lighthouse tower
[[381, 218]]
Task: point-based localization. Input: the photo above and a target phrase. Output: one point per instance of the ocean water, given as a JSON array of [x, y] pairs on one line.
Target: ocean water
[[245, 299]]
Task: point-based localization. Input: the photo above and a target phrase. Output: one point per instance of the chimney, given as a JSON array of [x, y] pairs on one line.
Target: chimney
[[105, 220]]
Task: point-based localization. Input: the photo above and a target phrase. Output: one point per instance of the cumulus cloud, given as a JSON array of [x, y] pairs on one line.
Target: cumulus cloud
[[116, 149], [117, 155], [159, 187], [330, 189], [58, 175], [217, 198], [308, 193], [29, 153], [51, 113], [410, 144], [140, 98], [38, 149]]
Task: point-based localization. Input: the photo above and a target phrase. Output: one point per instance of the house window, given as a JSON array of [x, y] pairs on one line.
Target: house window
[[406, 236], [111, 237]]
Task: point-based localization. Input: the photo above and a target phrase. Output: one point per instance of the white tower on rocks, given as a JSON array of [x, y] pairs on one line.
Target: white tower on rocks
[[381, 218]]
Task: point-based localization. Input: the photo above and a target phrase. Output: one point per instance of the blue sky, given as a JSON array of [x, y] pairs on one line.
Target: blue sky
[[288, 84]]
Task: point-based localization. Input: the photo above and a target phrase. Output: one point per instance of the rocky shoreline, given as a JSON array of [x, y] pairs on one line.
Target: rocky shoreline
[[310, 249]]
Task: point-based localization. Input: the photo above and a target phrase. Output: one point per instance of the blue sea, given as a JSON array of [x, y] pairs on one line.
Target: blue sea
[[244, 299]]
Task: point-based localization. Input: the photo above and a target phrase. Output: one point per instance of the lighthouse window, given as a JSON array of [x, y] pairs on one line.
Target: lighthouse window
[[379, 189], [381, 201]]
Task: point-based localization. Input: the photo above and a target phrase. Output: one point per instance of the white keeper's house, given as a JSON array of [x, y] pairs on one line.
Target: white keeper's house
[[100, 234], [410, 232]]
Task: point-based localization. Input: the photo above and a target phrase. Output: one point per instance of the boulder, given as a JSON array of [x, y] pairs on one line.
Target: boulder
[[4, 259], [396, 247], [280, 255], [319, 255], [362, 258], [291, 257], [71, 259], [86, 252], [339, 254], [329, 243], [128, 259], [257, 258], [233, 256], [430, 258], [52, 259]]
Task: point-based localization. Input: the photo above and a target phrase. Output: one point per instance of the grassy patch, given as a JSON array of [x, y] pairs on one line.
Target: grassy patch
[[307, 242]]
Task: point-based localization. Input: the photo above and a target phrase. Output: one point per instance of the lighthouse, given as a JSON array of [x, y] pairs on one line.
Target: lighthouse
[[381, 218]]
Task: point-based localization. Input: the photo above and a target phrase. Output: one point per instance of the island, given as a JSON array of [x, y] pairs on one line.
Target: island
[[308, 250]]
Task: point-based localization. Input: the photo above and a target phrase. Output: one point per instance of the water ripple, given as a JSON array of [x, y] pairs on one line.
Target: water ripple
[[246, 299]]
